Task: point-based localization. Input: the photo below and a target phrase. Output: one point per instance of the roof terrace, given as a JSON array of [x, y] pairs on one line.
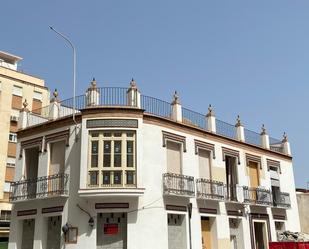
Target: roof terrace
[[131, 98]]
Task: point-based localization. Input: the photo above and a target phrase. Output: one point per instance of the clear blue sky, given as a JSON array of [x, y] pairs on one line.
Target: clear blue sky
[[244, 57]]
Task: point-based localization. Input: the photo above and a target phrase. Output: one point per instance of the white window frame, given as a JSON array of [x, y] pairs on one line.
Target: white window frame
[[124, 169], [17, 91], [37, 95], [13, 137], [6, 187]]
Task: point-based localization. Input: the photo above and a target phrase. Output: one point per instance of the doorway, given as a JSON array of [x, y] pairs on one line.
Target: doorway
[[260, 235], [231, 177], [28, 234], [112, 230], [53, 232], [206, 233]]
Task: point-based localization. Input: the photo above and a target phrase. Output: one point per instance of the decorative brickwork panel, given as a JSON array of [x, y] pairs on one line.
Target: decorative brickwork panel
[[125, 123], [36, 106], [13, 127], [17, 102], [11, 149], [9, 174]]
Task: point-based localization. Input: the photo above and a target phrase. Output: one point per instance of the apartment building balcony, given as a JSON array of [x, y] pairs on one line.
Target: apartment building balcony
[[257, 196], [233, 193], [209, 189], [281, 200], [39, 188], [112, 183], [178, 185]]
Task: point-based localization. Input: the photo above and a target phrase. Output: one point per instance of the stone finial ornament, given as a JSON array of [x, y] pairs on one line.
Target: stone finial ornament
[[133, 84], [263, 130], [238, 121], [55, 93], [210, 111], [25, 104], [285, 138], [93, 84], [176, 98]]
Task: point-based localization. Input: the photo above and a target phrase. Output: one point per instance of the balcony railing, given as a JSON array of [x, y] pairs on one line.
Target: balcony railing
[[209, 189], [233, 193], [282, 199], [46, 186], [181, 185], [118, 97], [257, 196]]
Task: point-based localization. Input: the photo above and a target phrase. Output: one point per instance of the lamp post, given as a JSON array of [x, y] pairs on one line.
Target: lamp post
[[74, 66]]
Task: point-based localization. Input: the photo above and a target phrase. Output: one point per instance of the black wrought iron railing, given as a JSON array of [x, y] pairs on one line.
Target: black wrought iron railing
[[118, 96], [257, 196], [209, 189], [233, 193], [46, 186], [156, 106], [225, 129], [193, 118], [281, 199], [175, 184]]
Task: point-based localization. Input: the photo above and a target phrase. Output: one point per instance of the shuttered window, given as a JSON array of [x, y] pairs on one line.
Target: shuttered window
[[17, 91], [173, 157]]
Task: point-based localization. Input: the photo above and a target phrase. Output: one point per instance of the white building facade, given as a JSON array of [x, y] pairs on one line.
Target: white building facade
[[135, 172]]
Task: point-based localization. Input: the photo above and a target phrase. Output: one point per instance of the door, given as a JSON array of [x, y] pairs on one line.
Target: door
[[206, 233], [53, 232], [173, 157], [204, 164], [112, 231], [28, 234], [260, 235], [254, 179], [254, 174], [56, 167], [231, 177]]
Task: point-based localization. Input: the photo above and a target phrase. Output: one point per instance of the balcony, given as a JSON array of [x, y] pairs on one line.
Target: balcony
[[209, 189], [42, 187], [233, 193], [257, 196], [178, 185], [282, 200]]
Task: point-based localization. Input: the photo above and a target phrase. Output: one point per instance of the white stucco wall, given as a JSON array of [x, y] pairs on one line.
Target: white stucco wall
[[147, 217]]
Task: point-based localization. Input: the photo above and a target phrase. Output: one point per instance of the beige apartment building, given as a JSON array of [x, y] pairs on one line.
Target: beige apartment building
[[15, 88]]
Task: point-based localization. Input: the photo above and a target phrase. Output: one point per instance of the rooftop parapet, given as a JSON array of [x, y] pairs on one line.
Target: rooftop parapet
[[131, 98]]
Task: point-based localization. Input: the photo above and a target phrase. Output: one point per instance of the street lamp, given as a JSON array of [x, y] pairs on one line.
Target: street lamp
[[74, 66]]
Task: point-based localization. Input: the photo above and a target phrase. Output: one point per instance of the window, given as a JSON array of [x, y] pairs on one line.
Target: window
[[37, 95], [5, 215], [10, 162], [17, 91], [111, 161], [7, 186], [13, 137]]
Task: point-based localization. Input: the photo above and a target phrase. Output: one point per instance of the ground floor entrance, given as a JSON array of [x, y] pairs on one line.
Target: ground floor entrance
[[206, 233], [28, 233], [260, 234], [112, 231]]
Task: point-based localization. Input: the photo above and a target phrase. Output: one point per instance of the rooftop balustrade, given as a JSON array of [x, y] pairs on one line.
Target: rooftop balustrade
[[131, 98]]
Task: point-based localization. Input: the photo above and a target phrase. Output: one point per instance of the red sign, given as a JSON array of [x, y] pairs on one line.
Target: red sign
[[110, 228]]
